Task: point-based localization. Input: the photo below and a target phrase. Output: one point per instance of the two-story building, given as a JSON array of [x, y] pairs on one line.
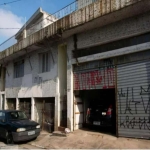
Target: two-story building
[[21, 81], [97, 54]]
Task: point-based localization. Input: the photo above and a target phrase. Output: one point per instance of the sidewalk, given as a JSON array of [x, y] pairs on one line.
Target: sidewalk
[[81, 139]]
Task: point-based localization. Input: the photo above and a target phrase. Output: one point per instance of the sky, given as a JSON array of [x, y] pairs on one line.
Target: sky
[[14, 15]]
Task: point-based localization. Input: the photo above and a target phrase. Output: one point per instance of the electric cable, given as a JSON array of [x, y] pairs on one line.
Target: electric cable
[[10, 2]]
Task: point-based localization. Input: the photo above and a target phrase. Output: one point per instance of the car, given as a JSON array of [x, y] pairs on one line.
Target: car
[[15, 126], [100, 115]]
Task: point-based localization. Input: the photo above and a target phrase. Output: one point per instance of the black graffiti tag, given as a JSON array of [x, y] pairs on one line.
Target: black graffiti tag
[[132, 122], [126, 98]]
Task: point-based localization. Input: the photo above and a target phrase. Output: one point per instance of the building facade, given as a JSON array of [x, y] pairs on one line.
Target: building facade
[[117, 72], [102, 56]]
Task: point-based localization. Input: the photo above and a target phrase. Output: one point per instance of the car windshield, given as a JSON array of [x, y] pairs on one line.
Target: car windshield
[[18, 115]]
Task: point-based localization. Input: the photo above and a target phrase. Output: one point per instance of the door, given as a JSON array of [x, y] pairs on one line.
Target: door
[[25, 105], [48, 116], [11, 103], [39, 111], [78, 110]]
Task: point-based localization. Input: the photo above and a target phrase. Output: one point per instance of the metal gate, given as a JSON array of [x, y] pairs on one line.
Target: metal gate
[[44, 115], [78, 113], [63, 118], [48, 116], [25, 105], [133, 81], [39, 111], [11, 103], [91, 76]]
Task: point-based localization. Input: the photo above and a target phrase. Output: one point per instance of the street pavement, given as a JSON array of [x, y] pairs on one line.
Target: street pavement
[[80, 139]]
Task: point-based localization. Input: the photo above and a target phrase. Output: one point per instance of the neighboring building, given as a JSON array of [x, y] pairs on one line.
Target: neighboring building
[[40, 19], [100, 56]]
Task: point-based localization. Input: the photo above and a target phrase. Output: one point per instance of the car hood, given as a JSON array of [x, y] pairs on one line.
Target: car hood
[[24, 123]]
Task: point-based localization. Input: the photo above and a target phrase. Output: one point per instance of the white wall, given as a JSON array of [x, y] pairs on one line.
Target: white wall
[[42, 22], [33, 83]]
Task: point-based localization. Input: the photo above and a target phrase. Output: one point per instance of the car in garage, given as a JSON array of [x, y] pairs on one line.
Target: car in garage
[[15, 126], [100, 115]]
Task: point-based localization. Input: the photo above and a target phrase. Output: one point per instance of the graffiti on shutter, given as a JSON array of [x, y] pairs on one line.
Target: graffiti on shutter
[[134, 99]]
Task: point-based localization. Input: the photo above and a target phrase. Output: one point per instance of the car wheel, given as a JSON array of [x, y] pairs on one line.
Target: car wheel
[[9, 139]]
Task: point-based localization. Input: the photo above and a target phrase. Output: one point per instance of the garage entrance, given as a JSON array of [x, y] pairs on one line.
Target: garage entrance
[[92, 110], [11, 103], [45, 112], [94, 95], [25, 105]]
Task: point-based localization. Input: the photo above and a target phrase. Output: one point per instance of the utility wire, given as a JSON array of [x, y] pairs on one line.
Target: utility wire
[[9, 2], [9, 28], [42, 19], [7, 40], [53, 14]]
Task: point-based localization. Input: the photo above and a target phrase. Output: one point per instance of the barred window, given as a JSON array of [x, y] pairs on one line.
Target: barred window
[[44, 62]]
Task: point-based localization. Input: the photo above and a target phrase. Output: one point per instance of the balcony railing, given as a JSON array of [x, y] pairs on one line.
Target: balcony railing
[[9, 42]]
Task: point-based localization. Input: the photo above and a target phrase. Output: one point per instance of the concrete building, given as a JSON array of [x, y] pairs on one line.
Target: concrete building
[[40, 19], [97, 53]]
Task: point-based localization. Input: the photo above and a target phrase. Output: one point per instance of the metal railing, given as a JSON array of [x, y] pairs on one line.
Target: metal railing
[[74, 6], [9, 42]]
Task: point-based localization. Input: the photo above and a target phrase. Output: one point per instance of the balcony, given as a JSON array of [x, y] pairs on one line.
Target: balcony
[[96, 14]]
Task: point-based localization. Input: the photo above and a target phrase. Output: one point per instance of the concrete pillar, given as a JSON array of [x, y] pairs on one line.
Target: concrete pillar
[[1, 101], [2, 79], [70, 118], [62, 79], [24, 33], [17, 103], [32, 108], [57, 112], [5, 103]]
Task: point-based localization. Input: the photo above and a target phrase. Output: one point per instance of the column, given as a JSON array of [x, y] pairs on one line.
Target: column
[[17, 103], [32, 108], [70, 98], [1, 101]]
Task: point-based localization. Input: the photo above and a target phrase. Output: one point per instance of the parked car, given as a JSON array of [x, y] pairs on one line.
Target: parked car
[[100, 115], [15, 126]]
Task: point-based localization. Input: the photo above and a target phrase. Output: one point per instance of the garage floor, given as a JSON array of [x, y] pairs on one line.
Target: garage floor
[[89, 139]]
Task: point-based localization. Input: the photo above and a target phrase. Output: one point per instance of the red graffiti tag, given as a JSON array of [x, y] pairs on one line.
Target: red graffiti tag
[[92, 79], [76, 82]]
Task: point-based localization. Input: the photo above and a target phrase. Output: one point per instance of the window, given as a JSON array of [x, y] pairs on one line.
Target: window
[[17, 115], [45, 62], [19, 69], [2, 116]]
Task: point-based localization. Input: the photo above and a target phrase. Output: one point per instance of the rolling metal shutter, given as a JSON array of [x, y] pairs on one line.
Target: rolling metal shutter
[[133, 81]]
